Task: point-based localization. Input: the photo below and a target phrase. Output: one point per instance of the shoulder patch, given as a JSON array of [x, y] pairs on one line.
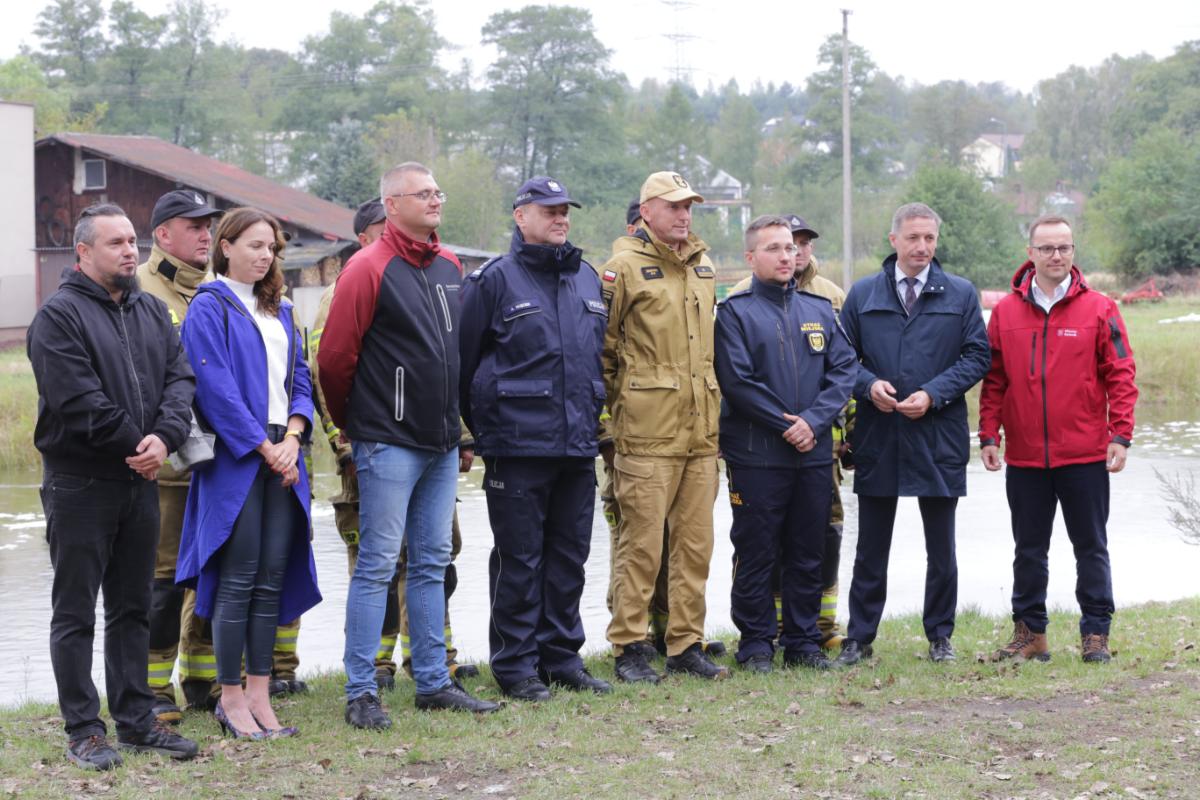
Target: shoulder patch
[[477, 274], [609, 275], [651, 273]]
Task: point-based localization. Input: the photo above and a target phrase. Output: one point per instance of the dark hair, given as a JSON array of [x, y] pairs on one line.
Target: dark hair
[[1047, 219], [762, 222], [85, 226], [269, 290]]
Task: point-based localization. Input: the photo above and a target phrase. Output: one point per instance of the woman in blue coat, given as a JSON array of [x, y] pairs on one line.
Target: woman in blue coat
[[245, 543]]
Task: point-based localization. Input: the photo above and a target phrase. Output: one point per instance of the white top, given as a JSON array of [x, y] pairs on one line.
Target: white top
[[1060, 292], [901, 286], [275, 339]]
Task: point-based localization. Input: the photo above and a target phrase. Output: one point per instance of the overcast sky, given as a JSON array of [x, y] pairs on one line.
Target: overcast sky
[[1018, 42]]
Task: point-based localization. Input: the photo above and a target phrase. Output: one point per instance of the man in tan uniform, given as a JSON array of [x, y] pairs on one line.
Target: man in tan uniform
[[369, 221], [663, 395], [807, 280]]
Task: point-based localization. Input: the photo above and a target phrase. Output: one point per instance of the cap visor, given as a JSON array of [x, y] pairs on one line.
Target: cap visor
[[553, 201], [679, 195], [207, 211]]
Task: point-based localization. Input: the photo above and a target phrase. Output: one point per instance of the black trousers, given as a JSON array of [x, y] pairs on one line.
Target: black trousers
[[102, 536], [779, 518], [1033, 495], [868, 589], [253, 561], [540, 511]]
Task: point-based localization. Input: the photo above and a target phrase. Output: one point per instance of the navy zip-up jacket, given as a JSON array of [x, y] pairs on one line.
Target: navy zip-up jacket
[[530, 338], [779, 351], [107, 374]]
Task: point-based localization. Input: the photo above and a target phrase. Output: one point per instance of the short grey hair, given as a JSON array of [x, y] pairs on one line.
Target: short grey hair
[[85, 226], [390, 177], [761, 223], [913, 211]]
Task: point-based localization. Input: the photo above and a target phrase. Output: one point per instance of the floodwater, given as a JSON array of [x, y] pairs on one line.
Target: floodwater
[[1150, 562]]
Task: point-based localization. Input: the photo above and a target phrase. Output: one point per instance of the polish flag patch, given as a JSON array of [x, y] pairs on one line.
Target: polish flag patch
[[609, 275]]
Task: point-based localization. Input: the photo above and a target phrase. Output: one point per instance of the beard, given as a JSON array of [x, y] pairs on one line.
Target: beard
[[124, 283]]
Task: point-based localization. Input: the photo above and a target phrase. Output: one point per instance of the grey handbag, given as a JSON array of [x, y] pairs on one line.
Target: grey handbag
[[197, 448]]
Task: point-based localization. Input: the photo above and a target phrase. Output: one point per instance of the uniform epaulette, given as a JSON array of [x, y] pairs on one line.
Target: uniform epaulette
[[815, 296], [743, 293], [477, 274]]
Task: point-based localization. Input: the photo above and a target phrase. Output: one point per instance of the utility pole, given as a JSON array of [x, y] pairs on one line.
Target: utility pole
[[847, 224]]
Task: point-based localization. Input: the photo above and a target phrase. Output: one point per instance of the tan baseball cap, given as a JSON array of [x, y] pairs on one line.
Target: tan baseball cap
[[670, 186]]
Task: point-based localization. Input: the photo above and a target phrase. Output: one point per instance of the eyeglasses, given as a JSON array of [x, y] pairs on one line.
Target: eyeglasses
[[1048, 250], [776, 249], [424, 196]]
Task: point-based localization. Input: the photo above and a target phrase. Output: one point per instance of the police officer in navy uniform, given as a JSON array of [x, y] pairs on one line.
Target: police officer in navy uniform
[[786, 370], [532, 329]]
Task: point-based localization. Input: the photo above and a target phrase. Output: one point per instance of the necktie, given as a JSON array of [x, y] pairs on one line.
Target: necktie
[[910, 294]]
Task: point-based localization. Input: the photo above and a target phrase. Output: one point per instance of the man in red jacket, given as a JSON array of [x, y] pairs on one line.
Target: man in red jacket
[[1062, 387]]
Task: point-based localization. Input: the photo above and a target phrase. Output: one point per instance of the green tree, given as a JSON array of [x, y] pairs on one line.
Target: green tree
[[669, 136], [1146, 215], [947, 117], [548, 84], [345, 171], [72, 40], [190, 67], [23, 81], [477, 205], [132, 61], [736, 137], [979, 238]]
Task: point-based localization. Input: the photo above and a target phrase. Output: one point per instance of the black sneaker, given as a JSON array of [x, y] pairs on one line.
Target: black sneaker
[[166, 711], [694, 661], [162, 740], [810, 660], [852, 653], [761, 663], [454, 697], [715, 648], [199, 696], [458, 671], [366, 712], [579, 681], [93, 752], [530, 690], [941, 651], [385, 680], [278, 686], [631, 667]]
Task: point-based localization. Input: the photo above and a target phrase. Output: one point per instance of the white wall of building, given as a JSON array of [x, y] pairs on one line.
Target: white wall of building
[[18, 267]]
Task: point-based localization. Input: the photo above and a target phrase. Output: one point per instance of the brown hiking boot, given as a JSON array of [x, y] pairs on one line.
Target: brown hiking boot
[[1095, 648], [1025, 645]]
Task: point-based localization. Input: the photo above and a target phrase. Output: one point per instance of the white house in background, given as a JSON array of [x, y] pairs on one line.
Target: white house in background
[[722, 193], [995, 155]]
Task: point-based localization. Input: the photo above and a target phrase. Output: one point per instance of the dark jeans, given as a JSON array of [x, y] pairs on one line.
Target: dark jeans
[[540, 511], [1082, 491], [779, 517], [868, 589], [102, 535], [253, 561]]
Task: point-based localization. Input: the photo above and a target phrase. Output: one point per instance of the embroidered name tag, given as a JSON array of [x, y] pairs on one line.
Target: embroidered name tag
[[1067, 332], [596, 306], [521, 309], [651, 273], [704, 271], [495, 484], [812, 326]]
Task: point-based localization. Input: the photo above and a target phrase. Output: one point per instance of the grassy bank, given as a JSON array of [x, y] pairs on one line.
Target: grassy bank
[[1168, 374], [897, 727]]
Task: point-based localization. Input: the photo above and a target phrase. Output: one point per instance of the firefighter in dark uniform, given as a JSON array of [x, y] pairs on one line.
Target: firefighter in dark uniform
[[786, 370], [530, 336]]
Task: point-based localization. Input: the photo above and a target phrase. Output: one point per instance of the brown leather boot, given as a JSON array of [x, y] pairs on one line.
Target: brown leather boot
[[1095, 648], [1025, 644]]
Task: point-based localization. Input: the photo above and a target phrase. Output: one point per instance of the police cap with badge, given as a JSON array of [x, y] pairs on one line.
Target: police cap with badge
[[543, 191], [184, 203]]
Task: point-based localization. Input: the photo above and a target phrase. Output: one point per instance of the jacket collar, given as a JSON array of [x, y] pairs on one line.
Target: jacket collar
[[183, 276], [936, 282], [772, 292], [1022, 282], [419, 254], [544, 257], [805, 275], [74, 279], [688, 255]]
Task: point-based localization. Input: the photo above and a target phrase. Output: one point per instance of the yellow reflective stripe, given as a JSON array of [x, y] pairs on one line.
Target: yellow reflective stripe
[[159, 675], [387, 646], [448, 636], [202, 667], [285, 640]]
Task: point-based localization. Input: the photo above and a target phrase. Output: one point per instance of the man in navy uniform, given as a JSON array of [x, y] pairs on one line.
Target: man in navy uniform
[[785, 369], [532, 330]]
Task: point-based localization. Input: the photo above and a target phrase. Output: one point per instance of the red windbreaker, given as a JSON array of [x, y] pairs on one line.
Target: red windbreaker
[[1061, 384]]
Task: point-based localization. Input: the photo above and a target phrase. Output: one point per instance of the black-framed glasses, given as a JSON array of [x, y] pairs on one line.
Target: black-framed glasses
[[1047, 250], [424, 196]]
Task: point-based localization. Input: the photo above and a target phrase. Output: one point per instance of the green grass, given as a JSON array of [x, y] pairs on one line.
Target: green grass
[[18, 411], [896, 727]]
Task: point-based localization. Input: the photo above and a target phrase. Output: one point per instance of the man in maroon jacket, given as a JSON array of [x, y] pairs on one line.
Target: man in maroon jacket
[[1061, 385]]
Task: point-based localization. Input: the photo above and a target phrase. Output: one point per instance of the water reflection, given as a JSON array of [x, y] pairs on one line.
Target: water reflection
[[1150, 562]]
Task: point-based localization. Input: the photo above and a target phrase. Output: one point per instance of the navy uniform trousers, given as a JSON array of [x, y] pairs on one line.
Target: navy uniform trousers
[[540, 511], [1033, 494], [868, 591], [778, 515]]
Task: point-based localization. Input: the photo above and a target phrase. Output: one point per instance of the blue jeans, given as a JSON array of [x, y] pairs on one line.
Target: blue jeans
[[403, 494]]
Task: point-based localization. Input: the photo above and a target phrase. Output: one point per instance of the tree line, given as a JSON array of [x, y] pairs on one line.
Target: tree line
[[373, 89]]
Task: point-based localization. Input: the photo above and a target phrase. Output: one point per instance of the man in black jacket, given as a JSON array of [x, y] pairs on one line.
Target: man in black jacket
[[114, 397]]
